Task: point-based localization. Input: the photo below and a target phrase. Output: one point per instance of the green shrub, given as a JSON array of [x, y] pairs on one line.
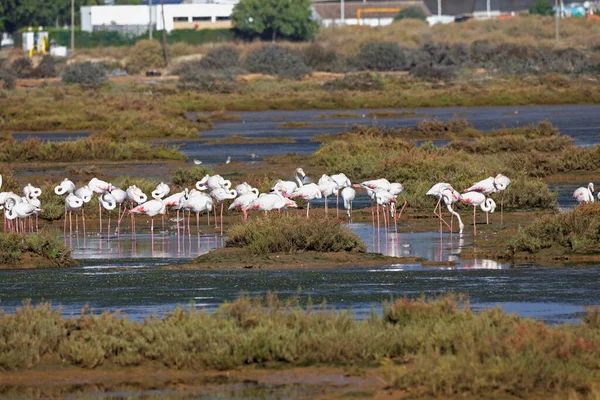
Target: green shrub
[[145, 55], [192, 76], [411, 13], [13, 246], [22, 67], [382, 56], [185, 177], [577, 230], [275, 60], [319, 58], [541, 7], [7, 78], [287, 234], [46, 68], [86, 74], [222, 57], [363, 81]]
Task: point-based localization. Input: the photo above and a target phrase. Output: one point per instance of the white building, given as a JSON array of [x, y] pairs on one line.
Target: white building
[[136, 19]]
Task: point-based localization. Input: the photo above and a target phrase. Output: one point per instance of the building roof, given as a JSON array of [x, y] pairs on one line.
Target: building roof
[[467, 7], [157, 2], [333, 10]]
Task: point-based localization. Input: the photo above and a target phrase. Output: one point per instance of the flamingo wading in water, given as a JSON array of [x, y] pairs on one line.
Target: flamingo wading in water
[[584, 194]]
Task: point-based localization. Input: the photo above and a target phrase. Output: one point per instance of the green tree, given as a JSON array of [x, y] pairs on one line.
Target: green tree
[[541, 7], [411, 12], [272, 19]]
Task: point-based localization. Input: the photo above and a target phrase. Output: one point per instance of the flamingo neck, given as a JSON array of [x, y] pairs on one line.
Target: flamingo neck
[[297, 178]]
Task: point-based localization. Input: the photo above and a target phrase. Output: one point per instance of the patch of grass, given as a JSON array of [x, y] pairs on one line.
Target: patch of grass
[[25, 249], [367, 152], [437, 348], [577, 231], [95, 147], [185, 177], [286, 234]]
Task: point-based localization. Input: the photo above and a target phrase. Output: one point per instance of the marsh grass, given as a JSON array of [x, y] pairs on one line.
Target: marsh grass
[[184, 177], [436, 347], [367, 152], [95, 147], [288, 234], [15, 248], [577, 231]]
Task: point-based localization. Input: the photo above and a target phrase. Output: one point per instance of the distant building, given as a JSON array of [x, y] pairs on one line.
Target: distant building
[[136, 19], [370, 13]]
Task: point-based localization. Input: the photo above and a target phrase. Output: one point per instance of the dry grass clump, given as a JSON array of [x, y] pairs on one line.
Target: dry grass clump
[[95, 147], [288, 234], [15, 248], [184, 177], [447, 348], [577, 231]]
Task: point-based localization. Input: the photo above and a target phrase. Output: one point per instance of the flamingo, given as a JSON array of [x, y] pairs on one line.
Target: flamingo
[[342, 182], [162, 190], [478, 199], [288, 187], [196, 202], [307, 192], [20, 210], [135, 196], [502, 182], [585, 194], [151, 208], [384, 199], [242, 201], [31, 191], [443, 191], [5, 199], [327, 186], [270, 201], [85, 194], [243, 188], [451, 196], [371, 186], [109, 203], [37, 203], [72, 203], [213, 182], [120, 196], [396, 190], [99, 187], [66, 186], [491, 185], [220, 195], [348, 194]]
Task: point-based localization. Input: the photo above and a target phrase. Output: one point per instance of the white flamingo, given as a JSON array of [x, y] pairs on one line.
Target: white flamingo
[[86, 195], [242, 201], [342, 182], [72, 203], [151, 208], [196, 202], [478, 199], [109, 203], [20, 210], [269, 202], [348, 194], [162, 190], [327, 186], [243, 188], [220, 195], [135, 196], [288, 187], [443, 191], [585, 194], [307, 192]]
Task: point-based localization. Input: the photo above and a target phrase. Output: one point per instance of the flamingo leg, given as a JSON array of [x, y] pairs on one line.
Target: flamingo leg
[[100, 213], [337, 204], [108, 229], [70, 224], [326, 210], [222, 219], [65, 227], [487, 217], [474, 225], [215, 209], [83, 220], [198, 221], [378, 217], [308, 210], [502, 208]]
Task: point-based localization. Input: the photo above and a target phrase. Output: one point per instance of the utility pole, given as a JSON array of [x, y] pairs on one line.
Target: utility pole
[[72, 28], [342, 12], [439, 8], [489, 11], [150, 19], [164, 33], [557, 8]]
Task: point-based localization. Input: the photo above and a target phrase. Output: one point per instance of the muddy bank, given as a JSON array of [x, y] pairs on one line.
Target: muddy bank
[[239, 258], [32, 261]]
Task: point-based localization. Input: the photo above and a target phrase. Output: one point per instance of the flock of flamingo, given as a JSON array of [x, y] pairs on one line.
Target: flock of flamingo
[[214, 189]]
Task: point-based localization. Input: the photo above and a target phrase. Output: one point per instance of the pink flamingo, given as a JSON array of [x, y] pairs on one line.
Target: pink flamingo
[[348, 194], [269, 202], [444, 192], [151, 208], [288, 187], [243, 200], [478, 199], [327, 186], [308, 192], [584, 194], [195, 202], [220, 195]]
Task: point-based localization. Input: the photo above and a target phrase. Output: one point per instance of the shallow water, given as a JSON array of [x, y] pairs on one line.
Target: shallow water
[[125, 275]]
